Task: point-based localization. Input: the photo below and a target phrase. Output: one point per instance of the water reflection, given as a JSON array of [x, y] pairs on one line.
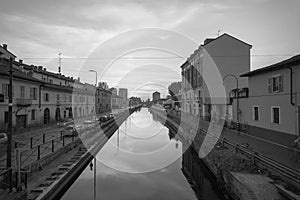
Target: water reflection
[[180, 179]]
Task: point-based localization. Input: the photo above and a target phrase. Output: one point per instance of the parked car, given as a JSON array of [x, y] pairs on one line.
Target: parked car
[[103, 118], [3, 138], [111, 115], [70, 131]]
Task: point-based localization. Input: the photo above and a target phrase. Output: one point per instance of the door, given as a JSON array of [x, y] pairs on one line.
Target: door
[[46, 116], [21, 121], [57, 115]]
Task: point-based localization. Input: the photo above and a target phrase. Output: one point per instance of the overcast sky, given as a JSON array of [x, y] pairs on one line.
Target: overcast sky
[[38, 30]]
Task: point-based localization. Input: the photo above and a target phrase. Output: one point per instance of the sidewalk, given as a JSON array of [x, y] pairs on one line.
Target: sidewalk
[[270, 149]]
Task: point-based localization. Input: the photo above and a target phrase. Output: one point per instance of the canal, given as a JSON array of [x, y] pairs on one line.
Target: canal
[[143, 160]]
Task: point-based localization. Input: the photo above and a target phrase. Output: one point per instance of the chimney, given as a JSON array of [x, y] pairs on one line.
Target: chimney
[[208, 40], [4, 46], [40, 68], [78, 79], [45, 69], [21, 61]]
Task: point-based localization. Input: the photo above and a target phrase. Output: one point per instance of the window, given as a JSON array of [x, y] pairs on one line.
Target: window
[[57, 97], [275, 112], [32, 114], [6, 115], [65, 114], [255, 113], [46, 97], [33, 93], [70, 98], [22, 92], [275, 84], [5, 89]]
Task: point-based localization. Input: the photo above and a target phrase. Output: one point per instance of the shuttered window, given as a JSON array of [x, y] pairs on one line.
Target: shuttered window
[[275, 84]]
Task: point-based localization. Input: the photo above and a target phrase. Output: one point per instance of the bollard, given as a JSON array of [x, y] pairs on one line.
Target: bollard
[[39, 152], [10, 180], [26, 180], [52, 141], [31, 142]]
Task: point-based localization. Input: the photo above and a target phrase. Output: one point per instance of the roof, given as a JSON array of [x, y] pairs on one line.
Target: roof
[[280, 65], [4, 70], [45, 72], [184, 64], [211, 40], [8, 51], [156, 92]]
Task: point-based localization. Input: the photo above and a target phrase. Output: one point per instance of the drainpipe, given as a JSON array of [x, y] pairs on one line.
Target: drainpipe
[[40, 94], [291, 85], [291, 100]]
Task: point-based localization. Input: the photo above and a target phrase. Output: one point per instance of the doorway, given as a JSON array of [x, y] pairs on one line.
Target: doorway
[[46, 116], [21, 121]]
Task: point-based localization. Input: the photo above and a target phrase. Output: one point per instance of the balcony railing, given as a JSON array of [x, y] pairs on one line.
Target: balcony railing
[[24, 102]]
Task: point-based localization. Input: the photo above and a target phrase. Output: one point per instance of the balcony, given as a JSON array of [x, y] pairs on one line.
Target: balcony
[[22, 102]]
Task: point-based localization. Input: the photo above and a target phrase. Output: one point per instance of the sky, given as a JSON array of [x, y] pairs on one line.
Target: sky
[[108, 36]]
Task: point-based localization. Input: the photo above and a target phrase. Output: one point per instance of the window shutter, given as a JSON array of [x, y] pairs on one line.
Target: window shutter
[[270, 85], [4, 90], [31, 93], [280, 83]]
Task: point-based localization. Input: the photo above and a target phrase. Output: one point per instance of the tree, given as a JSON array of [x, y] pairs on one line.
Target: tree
[[174, 88]]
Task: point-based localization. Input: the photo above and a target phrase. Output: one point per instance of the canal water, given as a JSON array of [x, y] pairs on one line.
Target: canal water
[[143, 160]]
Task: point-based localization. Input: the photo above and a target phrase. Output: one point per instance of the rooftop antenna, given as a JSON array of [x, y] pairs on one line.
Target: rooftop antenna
[[219, 32], [59, 63]]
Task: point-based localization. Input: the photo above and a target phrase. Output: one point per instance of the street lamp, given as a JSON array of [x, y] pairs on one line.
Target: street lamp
[[237, 100], [91, 70]]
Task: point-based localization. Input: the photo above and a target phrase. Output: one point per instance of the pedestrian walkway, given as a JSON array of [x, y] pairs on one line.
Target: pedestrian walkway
[[278, 152]]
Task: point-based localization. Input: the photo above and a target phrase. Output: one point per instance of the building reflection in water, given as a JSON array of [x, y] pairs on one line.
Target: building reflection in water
[[198, 175]]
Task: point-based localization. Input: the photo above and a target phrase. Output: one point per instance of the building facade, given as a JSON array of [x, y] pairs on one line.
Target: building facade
[[273, 105], [41, 97], [226, 55], [103, 100], [123, 92], [155, 96]]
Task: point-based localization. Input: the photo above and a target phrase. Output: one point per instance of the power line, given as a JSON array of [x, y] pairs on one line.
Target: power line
[[157, 57]]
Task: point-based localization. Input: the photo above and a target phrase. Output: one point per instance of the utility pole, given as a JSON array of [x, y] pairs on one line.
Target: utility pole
[[10, 104]]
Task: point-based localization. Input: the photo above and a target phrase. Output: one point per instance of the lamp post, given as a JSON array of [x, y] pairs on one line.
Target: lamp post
[[91, 70], [237, 99]]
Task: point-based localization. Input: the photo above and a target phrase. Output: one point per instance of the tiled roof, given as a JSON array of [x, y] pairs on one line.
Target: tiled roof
[[285, 63]]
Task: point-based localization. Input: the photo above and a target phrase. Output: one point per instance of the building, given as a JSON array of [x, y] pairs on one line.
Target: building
[[123, 92], [41, 97], [103, 99], [231, 56], [155, 96], [5, 53], [116, 101], [114, 90], [273, 106]]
